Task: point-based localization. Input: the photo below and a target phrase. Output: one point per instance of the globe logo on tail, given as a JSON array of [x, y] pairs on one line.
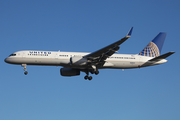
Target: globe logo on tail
[[151, 50]]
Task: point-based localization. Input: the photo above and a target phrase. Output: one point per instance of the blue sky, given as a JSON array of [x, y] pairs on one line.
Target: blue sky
[[150, 93]]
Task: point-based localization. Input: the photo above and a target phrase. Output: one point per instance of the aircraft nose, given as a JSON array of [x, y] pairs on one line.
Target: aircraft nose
[[6, 60]]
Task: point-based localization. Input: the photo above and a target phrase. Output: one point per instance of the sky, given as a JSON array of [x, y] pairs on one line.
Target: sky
[[151, 93]]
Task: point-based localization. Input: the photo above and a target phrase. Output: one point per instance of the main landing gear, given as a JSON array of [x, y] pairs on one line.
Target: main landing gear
[[92, 71], [25, 69], [88, 77]]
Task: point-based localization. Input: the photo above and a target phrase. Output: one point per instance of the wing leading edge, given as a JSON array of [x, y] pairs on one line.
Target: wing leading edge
[[109, 50]]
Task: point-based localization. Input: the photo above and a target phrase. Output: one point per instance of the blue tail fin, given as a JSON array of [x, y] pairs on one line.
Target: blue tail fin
[[153, 49]]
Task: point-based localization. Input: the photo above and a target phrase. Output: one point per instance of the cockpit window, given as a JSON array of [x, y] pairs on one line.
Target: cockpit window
[[12, 55]]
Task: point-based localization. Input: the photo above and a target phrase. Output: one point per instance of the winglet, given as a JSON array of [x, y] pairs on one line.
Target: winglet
[[129, 33]]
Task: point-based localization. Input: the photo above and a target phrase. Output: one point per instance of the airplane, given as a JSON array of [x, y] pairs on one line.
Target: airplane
[[74, 63]]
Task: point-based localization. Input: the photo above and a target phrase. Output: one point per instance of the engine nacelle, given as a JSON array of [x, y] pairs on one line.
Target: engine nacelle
[[69, 72], [78, 60]]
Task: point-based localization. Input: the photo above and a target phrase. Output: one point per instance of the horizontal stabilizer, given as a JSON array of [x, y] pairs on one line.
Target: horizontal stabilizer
[[156, 59]]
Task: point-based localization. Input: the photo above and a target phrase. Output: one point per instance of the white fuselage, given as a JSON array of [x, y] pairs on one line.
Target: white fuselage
[[52, 58]]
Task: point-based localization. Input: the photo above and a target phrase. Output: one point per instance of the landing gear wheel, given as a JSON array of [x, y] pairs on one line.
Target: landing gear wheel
[[86, 77], [97, 72], [92, 72], [90, 78], [25, 72]]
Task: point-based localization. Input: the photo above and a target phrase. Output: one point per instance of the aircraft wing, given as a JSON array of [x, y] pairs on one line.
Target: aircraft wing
[[104, 53]]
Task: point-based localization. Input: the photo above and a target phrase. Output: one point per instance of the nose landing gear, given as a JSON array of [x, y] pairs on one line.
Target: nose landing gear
[[25, 69]]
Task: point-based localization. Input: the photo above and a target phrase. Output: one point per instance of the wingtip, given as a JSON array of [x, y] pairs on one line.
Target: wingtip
[[172, 52], [130, 32]]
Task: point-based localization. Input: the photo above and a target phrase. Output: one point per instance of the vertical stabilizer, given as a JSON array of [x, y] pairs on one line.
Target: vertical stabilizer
[[153, 49]]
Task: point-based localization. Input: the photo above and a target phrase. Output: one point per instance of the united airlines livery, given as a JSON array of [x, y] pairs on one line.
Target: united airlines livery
[[75, 62]]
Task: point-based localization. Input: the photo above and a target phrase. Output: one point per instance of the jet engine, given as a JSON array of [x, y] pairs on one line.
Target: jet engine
[[69, 72], [78, 60]]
